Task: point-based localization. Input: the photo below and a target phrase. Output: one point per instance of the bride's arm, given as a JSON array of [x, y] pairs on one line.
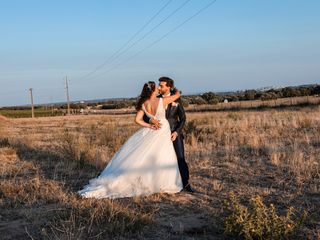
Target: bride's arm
[[139, 119], [169, 99]]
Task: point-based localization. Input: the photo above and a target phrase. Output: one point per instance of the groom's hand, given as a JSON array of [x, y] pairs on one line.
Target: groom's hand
[[155, 123], [174, 136]]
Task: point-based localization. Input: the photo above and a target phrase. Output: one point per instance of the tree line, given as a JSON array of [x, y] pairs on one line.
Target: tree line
[[197, 99], [250, 95]]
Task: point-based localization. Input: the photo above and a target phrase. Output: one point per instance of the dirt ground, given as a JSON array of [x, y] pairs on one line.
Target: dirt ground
[[45, 161]]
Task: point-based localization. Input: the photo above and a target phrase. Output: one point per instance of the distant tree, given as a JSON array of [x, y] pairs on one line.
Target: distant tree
[[316, 90], [210, 97], [305, 91], [122, 104], [78, 105], [118, 104], [273, 93], [250, 94], [258, 95], [268, 96], [198, 101], [289, 92], [108, 106], [233, 98]]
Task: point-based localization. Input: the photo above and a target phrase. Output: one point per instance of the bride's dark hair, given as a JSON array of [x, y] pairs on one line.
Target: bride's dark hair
[[147, 90]]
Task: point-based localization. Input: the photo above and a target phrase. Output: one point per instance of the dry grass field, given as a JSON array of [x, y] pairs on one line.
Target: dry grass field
[[274, 154]]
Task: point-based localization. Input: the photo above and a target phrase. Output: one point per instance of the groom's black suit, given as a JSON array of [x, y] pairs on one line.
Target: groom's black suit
[[176, 117]]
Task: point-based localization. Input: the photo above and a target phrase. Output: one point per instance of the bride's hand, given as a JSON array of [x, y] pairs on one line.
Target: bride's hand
[[155, 123], [152, 127], [175, 90]]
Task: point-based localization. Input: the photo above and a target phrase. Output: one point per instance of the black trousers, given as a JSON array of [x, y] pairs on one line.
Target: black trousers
[[183, 167]]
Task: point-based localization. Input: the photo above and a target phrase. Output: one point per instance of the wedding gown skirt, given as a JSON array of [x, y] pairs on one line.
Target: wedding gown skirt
[[145, 164]]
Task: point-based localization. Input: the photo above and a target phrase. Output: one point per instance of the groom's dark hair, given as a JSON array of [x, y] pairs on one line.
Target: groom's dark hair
[[168, 81]]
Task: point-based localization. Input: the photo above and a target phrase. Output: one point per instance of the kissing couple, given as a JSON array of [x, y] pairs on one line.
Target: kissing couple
[[152, 160]]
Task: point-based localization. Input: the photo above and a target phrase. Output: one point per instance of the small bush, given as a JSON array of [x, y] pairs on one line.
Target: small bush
[[94, 219], [75, 147], [192, 131], [4, 142], [36, 190], [234, 116], [258, 221]]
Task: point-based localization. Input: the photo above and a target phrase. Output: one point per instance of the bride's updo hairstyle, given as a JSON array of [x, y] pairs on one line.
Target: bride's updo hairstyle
[[147, 90]]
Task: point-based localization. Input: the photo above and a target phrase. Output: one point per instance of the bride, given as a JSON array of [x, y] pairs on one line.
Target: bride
[[147, 162]]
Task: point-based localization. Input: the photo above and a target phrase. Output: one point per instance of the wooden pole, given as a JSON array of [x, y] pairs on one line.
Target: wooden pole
[[51, 106], [68, 99], [32, 107]]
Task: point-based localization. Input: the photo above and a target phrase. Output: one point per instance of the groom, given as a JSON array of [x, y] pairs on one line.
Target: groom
[[176, 117]]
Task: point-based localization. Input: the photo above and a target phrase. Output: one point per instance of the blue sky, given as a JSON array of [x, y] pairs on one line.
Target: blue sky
[[231, 45]]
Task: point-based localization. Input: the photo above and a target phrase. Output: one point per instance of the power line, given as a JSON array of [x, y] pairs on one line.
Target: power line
[[159, 39], [35, 92], [126, 43], [148, 46], [150, 31]]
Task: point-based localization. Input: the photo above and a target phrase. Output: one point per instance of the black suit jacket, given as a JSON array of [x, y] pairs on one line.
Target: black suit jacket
[[175, 115]]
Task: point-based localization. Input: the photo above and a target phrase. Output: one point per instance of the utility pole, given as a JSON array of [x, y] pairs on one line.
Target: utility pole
[[32, 107], [68, 99], [51, 105]]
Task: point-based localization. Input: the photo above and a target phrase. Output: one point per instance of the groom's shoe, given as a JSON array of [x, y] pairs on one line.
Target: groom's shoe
[[188, 189]]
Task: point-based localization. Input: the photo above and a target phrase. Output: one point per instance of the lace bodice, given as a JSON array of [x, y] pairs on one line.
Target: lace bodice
[[160, 112]]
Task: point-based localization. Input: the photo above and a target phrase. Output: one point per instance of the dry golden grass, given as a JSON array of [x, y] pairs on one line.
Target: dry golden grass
[[44, 161]]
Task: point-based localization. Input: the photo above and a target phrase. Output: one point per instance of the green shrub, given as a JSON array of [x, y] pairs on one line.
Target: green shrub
[[258, 221]]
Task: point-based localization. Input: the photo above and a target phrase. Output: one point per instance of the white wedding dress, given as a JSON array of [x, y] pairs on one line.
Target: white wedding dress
[[145, 164]]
